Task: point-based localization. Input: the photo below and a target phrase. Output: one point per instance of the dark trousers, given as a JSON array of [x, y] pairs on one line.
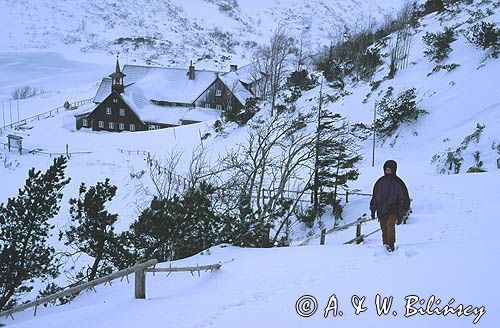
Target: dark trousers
[[388, 226]]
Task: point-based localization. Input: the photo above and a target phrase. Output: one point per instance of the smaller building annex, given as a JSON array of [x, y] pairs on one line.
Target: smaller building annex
[[140, 98]]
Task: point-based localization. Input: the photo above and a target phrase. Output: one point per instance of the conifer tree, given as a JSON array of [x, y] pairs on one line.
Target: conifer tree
[[336, 158], [24, 230], [178, 226], [92, 228]]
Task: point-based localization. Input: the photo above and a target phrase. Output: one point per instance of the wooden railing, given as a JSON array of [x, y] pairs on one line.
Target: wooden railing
[[359, 236], [79, 288], [139, 270], [67, 153]]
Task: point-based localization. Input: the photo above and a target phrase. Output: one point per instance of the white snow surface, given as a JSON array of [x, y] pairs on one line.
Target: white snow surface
[[449, 247]]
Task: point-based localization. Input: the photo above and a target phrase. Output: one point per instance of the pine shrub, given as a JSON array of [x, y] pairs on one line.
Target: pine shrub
[[486, 35], [438, 44], [25, 254], [393, 112]]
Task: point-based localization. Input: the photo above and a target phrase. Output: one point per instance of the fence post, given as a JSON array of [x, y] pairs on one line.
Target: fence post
[[323, 235], [358, 234], [347, 196], [140, 283]]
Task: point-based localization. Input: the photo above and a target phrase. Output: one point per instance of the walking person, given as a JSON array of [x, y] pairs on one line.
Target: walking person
[[391, 201]]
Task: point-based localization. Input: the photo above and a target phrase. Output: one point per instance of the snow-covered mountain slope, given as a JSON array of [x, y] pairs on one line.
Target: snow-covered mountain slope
[[173, 31], [448, 249]]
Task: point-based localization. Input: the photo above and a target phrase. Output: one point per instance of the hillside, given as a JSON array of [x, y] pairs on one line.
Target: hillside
[[448, 249], [174, 31]]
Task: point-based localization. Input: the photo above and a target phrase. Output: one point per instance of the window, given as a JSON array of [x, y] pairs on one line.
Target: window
[[219, 107], [153, 127], [101, 124], [85, 122], [122, 111], [115, 101], [108, 111], [207, 105], [218, 92], [111, 125], [121, 126], [229, 107], [132, 127]]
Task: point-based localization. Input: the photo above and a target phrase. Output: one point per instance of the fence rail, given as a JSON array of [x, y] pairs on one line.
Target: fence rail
[[139, 270], [39, 151], [45, 115], [191, 269], [359, 237], [79, 288]]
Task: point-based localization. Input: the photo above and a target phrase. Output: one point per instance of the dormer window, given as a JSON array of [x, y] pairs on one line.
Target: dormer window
[[108, 110]]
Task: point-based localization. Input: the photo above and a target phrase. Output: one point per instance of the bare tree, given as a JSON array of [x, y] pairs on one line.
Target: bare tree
[[273, 60], [163, 175], [399, 46], [276, 156]]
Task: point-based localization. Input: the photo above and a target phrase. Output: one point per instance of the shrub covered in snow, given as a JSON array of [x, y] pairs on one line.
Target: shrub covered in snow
[[438, 44], [451, 161], [433, 5], [486, 35], [392, 112]]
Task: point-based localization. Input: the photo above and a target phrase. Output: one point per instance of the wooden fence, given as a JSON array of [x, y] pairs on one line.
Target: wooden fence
[[359, 236], [45, 115], [67, 153], [139, 270]]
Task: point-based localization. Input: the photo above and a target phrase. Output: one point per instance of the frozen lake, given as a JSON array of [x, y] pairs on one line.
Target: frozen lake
[[60, 78], [49, 71]]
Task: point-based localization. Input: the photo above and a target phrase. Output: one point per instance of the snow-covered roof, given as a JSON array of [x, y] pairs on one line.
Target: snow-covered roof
[[244, 73], [169, 84], [149, 112], [84, 109], [232, 82], [103, 91]]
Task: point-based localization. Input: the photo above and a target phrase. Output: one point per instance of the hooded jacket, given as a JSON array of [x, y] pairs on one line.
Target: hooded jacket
[[390, 194]]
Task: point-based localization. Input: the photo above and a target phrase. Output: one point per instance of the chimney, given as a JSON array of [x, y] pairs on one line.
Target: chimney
[[233, 68], [191, 71]]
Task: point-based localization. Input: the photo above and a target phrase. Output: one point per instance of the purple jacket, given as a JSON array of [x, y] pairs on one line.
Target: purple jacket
[[388, 196]]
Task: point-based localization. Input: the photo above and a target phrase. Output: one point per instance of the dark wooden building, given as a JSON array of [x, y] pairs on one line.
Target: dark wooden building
[[149, 98]]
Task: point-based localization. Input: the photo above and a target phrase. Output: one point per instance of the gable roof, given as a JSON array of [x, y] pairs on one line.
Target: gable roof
[[232, 82], [245, 74], [169, 84], [103, 91]]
